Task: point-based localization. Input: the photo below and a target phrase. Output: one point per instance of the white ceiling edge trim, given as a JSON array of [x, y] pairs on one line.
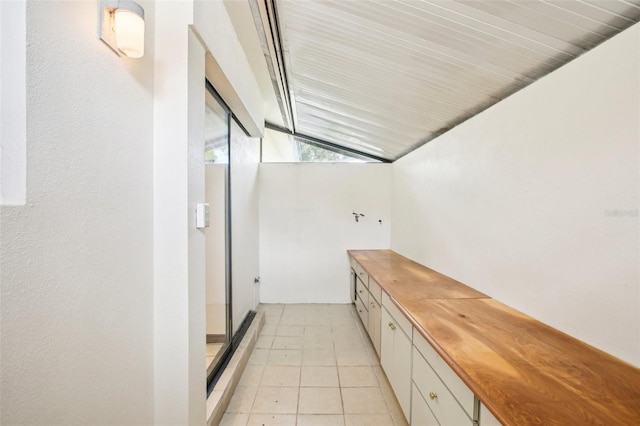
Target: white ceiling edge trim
[[227, 66]]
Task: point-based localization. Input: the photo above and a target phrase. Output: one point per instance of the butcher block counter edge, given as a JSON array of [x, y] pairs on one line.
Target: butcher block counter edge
[[392, 271]]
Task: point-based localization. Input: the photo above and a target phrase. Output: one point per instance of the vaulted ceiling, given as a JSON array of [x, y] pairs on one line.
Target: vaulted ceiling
[[384, 77]]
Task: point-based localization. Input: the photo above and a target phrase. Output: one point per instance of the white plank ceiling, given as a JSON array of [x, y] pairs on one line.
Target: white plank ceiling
[[384, 77]]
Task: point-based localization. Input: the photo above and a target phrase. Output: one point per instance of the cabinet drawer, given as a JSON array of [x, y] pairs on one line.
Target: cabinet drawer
[[398, 316], [375, 290], [352, 262], [486, 418], [421, 414], [455, 385], [362, 294], [362, 313], [375, 318], [362, 274], [442, 402], [352, 286]]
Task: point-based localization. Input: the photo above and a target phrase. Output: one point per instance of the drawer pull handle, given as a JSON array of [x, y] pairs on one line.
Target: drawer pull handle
[[433, 395], [360, 291], [392, 326]]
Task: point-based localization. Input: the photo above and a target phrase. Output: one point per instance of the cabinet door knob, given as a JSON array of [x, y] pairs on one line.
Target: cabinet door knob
[[433, 395], [392, 326]]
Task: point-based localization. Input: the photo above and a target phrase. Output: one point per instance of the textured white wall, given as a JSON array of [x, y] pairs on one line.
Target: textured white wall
[[102, 271], [179, 248], [76, 260], [306, 226], [196, 309], [178, 265], [519, 202], [13, 123], [245, 159]]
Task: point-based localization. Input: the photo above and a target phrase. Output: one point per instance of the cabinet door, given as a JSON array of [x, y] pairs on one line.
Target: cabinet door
[[396, 360], [386, 344], [375, 317]]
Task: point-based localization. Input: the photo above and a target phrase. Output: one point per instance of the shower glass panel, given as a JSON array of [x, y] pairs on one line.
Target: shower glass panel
[[217, 235]]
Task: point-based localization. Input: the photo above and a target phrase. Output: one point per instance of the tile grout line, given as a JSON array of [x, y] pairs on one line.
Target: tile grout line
[[300, 379]]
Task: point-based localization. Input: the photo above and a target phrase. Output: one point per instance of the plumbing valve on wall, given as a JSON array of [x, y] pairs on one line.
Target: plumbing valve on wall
[[357, 217]]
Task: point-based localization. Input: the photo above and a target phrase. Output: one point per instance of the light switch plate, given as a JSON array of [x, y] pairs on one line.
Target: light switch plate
[[202, 215]]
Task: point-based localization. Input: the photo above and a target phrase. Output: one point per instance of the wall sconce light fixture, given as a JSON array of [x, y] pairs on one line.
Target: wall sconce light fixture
[[122, 27]]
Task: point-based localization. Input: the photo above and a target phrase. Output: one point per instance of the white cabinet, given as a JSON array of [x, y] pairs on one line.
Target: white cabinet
[[375, 290], [446, 377], [375, 316], [375, 313], [362, 293], [362, 312], [362, 302], [486, 418], [352, 285], [429, 392], [395, 358], [367, 297], [362, 274], [398, 316], [421, 414], [352, 263], [444, 406]]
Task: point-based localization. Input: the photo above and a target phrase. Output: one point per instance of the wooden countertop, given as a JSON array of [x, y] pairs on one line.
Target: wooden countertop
[[522, 370]]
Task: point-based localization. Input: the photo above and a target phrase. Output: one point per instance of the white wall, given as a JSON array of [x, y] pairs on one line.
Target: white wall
[[76, 274], [306, 226], [179, 268], [244, 162], [102, 269], [188, 34], [196, 309], [517, 201], [13, 134]]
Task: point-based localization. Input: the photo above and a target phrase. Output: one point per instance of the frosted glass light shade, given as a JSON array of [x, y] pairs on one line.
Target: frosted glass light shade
[[129, 29], [121, 27]]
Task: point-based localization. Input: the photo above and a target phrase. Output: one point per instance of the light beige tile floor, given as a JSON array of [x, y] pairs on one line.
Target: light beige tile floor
[[212, 351], [313, 365]]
